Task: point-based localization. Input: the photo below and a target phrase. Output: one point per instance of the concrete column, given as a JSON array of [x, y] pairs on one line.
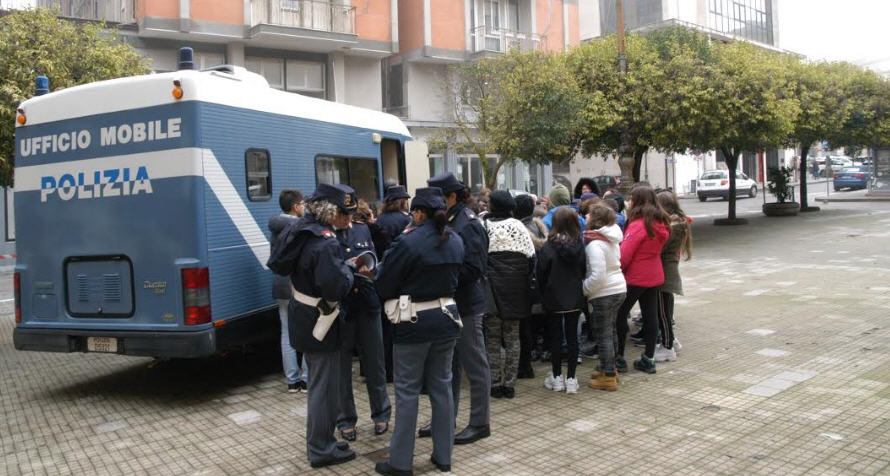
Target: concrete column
[[235, 53], [337, 86], [427, 24], [185, 15], [394, 22]]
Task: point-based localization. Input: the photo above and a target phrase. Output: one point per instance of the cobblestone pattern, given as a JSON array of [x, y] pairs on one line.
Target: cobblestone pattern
[[785, 369]]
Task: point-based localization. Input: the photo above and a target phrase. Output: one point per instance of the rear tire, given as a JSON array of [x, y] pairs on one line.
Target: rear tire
[[702, 198], [753, 192]]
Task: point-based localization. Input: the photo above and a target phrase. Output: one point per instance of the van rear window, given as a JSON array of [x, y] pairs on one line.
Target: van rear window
[[259, 176], [357, 172]]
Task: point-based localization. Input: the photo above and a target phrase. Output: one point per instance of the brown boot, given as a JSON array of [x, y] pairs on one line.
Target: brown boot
[[604, 381], [596, 374]]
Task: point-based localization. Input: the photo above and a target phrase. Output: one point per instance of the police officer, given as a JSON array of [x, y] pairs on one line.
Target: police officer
[[469, 354], [391, 223], [310, 252], [361, 329], [423, 264]]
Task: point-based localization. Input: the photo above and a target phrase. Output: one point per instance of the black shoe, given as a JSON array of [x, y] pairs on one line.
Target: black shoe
[[645, 364], [293, 387], [301, 385], [381, 428], [342, 445], [637, 335], [425, 431], [620, 364], [471, 434], [385, 468], [509, 392], [347, 456], [445, 468], [527, 372], [497, 392], [348, 434]]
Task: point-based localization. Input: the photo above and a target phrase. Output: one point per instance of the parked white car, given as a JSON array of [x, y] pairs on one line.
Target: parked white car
[[715, 183]]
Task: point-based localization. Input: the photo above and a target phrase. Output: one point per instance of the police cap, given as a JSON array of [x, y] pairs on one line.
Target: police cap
[[429, 197], [341, 195], [447, 182], [395, 192]]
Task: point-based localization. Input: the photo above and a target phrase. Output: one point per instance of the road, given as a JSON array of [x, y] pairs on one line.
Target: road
[[746, 207]]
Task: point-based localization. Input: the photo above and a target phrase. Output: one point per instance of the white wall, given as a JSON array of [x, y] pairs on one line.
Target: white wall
[[363, 85], [425, 93], [589, 18]]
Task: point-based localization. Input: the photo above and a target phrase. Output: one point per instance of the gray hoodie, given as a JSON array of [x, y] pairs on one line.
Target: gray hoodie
[[604, 276]]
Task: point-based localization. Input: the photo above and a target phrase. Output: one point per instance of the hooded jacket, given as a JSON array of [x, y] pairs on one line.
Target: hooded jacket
[[604, 276], [511, 267], [670, 256], [277, 224], [562, 265], [641, 254]]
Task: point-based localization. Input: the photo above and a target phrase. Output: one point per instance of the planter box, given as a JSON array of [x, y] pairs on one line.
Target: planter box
[[781, 209]]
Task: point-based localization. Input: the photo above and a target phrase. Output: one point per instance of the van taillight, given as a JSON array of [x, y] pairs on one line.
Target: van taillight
[[196, 295], [724, 182], [17, 287]]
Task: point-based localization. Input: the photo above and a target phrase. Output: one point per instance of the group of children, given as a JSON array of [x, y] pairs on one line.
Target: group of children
[[603, 271]]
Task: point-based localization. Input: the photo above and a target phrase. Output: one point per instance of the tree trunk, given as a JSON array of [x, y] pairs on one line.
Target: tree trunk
[[732, 161], [804, 150], [639, 151], [491, 182]]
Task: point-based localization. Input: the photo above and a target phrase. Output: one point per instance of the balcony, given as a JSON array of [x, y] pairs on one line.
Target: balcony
[[485, 39], [113, 11], [319, 25]]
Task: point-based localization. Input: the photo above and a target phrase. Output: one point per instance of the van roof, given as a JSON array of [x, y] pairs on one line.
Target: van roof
[[223, 85]]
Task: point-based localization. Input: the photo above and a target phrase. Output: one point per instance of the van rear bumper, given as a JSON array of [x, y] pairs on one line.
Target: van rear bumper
[[199, 343]]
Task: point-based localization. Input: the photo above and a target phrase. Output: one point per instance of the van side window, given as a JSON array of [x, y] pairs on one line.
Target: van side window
[[357, 172], [259, 175]]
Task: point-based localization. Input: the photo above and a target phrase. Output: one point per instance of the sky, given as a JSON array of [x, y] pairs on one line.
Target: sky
[[848, 30]]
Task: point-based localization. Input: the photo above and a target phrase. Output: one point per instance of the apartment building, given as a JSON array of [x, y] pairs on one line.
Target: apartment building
[[755, 21]]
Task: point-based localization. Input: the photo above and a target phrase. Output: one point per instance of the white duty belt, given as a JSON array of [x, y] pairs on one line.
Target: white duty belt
[[325, 321], [402, 309]]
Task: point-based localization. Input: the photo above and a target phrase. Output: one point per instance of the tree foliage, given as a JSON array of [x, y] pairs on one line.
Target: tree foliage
[[34, 42]]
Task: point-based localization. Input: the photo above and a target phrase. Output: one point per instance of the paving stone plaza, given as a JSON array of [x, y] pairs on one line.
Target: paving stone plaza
[[784, 369]]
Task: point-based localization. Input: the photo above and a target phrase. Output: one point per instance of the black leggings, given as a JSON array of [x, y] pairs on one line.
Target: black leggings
[[556, 322], [666, 319], [648, 298]]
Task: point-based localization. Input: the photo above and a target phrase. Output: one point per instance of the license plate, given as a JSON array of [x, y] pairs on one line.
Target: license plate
[[102, 344]]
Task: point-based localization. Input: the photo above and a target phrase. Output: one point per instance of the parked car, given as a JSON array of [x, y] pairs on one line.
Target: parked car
[[607, 182], [837, 163], [855, 177], [715, 183]]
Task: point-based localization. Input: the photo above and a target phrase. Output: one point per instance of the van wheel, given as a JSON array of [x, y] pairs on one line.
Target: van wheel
[[753, 192], [702, 198]]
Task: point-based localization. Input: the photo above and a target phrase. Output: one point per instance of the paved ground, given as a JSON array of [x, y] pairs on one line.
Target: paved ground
[[785, 369]]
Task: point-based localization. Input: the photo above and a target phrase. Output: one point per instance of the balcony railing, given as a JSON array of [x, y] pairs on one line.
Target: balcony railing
[[317, 15], [117, 11], [500, 40]]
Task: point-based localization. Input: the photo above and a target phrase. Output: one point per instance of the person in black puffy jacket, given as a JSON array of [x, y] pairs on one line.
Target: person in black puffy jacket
[[562, 266]]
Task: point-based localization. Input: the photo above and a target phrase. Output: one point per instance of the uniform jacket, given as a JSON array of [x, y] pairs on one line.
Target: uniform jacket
[[319, 271], [362, 301], [604, 276], [470, 295], [670, 256], [277, 224], [641, 255], [418, 265], [562, 265], [511, 267]]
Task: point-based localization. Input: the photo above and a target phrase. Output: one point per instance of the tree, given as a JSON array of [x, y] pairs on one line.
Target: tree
[[518, 106], [34, 42], [654, 102], [750, 104], [821, 90], [868, 98]]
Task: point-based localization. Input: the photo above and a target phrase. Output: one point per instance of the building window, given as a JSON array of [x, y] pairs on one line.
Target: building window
[[747, 19], [305, 77], [637, 13], [270, 68], [359, 173], [259, 176], [394, 86]]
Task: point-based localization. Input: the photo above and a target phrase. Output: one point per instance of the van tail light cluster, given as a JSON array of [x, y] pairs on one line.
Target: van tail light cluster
[[196, 295], [724, 182], [17, 287], [860, 175]]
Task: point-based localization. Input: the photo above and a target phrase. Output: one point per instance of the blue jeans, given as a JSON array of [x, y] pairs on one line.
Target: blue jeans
[[293, 373]]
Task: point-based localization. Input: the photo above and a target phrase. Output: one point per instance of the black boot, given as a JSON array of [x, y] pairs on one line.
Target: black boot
[[471, 434]]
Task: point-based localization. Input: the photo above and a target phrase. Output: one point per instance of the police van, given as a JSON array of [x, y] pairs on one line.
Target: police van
[[141, 204]]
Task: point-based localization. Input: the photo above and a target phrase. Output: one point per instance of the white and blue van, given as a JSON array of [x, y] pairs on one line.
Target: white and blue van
[[141, 205]]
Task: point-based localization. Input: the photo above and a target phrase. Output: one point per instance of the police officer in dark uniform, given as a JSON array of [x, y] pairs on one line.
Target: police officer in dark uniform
[[308, 251], [361, 329], [419, 276], [469, 354]]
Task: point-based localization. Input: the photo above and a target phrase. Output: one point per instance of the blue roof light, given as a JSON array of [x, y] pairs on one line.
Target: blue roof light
[[41, 85], [186, 58]]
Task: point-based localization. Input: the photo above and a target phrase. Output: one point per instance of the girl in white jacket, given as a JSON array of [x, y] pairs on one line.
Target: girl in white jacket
[[604, 288]]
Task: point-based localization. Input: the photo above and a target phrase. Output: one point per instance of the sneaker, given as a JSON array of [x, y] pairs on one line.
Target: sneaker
[[293, 387], [677, 347], [572, 385], [645, 364], [557, 384], [580, 359], [604, 381], [664, 355], [620, 364], [302, 386]]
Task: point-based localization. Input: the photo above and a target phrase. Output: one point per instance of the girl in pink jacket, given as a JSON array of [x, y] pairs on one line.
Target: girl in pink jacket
[[647, 231]]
